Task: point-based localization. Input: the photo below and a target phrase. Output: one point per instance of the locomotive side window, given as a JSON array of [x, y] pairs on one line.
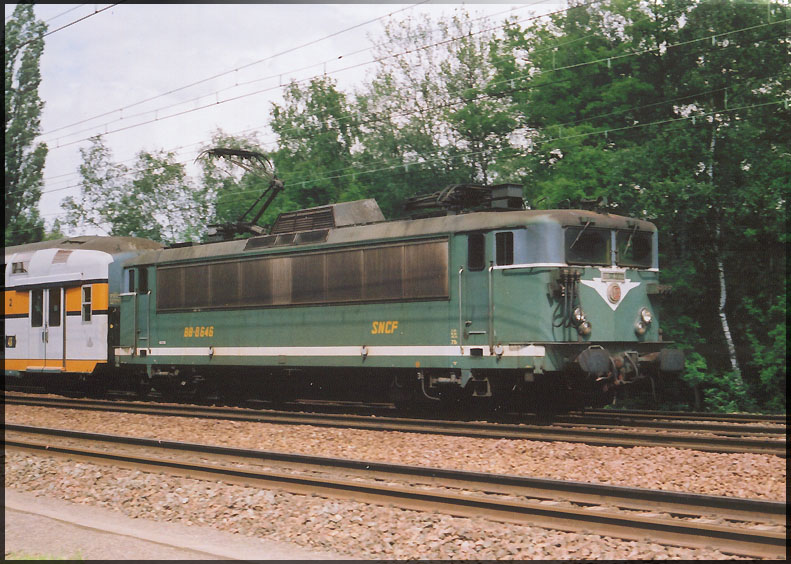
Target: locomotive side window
[[142, 280], [281, 280], [635, 248], [37, 308], [195, 291], [131, 280], [54, 313], [169, 288], [86, 303], [426, 270], [224, 285], [504, 245], [307, 279], [476, 255], [587, 245], [383, 273], [255, 283], [393, 272], [344, 276]]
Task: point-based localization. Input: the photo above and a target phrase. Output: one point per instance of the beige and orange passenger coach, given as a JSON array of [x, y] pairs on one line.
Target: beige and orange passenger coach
[[60, 297]]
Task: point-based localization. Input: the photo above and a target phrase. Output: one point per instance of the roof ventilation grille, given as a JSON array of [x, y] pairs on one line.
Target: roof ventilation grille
[[345, 214]]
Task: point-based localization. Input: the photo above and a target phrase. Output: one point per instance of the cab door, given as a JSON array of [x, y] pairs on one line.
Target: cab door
[[474, 310], [142, 303], [134, 310]]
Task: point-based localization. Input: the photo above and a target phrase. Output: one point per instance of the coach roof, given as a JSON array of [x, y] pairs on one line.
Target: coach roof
[[109, 245]]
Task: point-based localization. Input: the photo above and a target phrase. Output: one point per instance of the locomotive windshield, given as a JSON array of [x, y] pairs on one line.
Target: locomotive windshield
[[587, 245], [634, 248]]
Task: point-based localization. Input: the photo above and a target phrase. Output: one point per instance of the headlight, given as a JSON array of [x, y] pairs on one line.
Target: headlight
[[577, 316], [584, 328], [640, 328], [646, 316]]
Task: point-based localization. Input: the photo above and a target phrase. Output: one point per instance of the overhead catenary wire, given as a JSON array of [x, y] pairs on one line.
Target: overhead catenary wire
[[515, 153], [258, 127], [719, 34], [216, 92], [225, 73], [566, 67], [695, 95], [499, 93], [529, 87], [94, 13]]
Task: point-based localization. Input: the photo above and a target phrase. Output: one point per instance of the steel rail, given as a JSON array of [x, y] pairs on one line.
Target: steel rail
[[627, 421], [732, 539], [608, 437], [690, 415]]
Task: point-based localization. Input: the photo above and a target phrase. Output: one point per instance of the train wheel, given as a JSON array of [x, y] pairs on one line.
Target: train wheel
[[142, 388], [403, 394], [96, 388]]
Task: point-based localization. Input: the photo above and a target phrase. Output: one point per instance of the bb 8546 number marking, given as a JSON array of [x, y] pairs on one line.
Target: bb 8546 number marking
[[199, 331]]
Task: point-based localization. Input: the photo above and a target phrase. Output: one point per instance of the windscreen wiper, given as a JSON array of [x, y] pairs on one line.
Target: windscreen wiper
[[629, 241], [580, 234]]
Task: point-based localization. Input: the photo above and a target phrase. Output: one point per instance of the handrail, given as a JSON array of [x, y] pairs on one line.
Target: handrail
[[461, 317], [491, 309]]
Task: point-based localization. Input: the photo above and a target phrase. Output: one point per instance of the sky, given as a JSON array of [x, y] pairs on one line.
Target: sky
[[219, 66]]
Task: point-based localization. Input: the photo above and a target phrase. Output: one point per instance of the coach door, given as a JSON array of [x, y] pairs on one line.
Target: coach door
[[47, 327]]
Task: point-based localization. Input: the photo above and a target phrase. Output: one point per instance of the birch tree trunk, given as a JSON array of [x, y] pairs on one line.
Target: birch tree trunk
[[721, 269]]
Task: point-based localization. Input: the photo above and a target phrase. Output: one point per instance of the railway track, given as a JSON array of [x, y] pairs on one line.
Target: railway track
[[766, 440], [638, 414], [744, 526]]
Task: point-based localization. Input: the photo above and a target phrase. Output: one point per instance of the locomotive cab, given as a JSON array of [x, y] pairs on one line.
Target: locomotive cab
[[576, 286]]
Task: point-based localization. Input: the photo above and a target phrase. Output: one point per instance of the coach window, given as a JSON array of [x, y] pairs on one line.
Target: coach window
[[131, 280], [86, 303], [54, 307], [504, 243], [476, 257], [37, 308]]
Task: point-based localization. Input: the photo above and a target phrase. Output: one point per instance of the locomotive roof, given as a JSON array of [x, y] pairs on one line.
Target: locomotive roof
[[405, 228], [110, 245]]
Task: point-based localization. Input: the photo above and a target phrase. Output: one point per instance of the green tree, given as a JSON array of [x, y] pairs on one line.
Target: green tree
[[316, 131], [24, 159], [152, 199], [431, 118], [675, 111]]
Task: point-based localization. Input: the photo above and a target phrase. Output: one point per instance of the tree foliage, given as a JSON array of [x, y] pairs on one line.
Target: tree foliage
[[153, 199], [675, 112], [24, 159], [316, 131]]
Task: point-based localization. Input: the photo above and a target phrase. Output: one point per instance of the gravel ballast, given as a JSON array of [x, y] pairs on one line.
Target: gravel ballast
[[739, 475], [352, 529], [358, 530]]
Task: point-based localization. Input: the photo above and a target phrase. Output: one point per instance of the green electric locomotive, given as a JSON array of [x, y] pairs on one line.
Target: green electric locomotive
[[481, 302]]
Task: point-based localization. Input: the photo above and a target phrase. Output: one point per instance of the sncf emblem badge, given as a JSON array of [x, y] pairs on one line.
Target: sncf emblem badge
[[612, 286]]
